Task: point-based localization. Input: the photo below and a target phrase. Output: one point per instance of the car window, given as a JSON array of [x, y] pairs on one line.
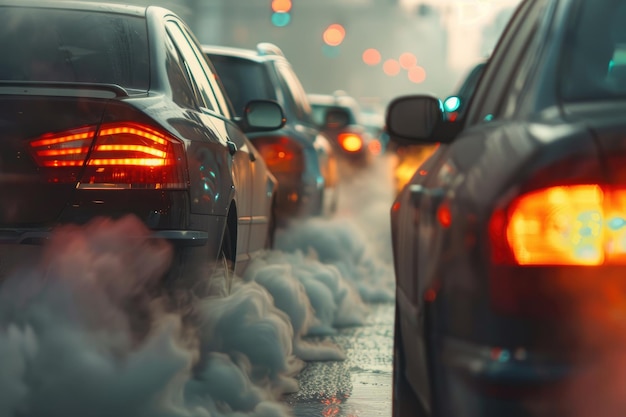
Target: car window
[[194, 66], [294, 92], [243, 80], [594, 59], [499, 70], [74, 46], [182, 87]]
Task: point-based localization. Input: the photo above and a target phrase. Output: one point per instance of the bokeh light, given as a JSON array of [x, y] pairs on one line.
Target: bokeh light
[[331, 51], [417, 74], [281, 6], [371, 56], [334, 34], [281, 19], [391, 67], [408, 60]]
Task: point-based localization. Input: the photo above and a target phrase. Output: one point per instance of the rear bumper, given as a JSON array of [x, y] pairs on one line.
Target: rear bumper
[[485, 381], [38, 237], [298, 198]]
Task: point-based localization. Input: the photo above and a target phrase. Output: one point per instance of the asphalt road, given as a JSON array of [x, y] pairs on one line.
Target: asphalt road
[[360, 386]]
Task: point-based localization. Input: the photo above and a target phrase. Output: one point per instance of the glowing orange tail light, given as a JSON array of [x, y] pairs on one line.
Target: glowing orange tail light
[[562, 225], [350, 142], [281, 154], [117, 155], [65, 149]]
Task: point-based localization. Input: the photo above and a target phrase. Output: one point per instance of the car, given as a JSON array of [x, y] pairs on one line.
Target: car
[[299, 155], [112, 110], [509, 243], [339, 117]]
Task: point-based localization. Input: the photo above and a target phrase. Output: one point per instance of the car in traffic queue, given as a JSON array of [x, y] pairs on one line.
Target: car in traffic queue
[[338, 115], [509, 243], [112, 110], [299, 154]]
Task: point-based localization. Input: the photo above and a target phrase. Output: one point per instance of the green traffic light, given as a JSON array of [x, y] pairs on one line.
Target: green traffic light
[[281, 19]]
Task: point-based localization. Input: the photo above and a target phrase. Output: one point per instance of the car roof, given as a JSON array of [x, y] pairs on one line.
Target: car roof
[[243, 53], [78, 5], [338, 100]]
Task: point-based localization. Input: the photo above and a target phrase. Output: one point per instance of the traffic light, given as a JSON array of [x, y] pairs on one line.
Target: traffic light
[[281, 12]]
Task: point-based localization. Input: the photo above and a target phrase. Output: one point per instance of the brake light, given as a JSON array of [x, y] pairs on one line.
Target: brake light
[[65, 149], [562, 225], [351, 142], [120, 155], [281, 154]]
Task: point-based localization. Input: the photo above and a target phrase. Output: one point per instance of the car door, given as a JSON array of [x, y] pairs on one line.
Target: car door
[[449, 165], [496, 96], [406, 247], [213, 111]]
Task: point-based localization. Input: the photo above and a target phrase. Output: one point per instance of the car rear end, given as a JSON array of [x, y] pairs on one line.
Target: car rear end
[[74, 146], [290, 153], [548, 303], [352, 141]]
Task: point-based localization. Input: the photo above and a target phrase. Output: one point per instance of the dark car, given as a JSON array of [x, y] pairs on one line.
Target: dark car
[[112, 110], [509, 242], [299, 155], [339, 116]]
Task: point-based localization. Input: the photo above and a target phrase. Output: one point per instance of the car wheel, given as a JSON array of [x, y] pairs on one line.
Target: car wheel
[[404, 400]]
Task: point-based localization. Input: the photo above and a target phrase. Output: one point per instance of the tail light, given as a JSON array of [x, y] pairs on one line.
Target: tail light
[[65, 149], [375, 147], [562, 225], [119, 155], [350, 142], [281, 154]]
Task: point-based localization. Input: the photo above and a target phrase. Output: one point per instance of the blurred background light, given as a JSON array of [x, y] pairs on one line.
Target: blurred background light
[[371, 56], [281, 19], [407, 60], [391, 67], [331, 51], [334, 34], [417, 74], [281, 6]]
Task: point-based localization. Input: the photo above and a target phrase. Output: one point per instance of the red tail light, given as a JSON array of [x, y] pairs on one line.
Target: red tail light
[[562, 225], [119, 155], [350, 142], [281, 154], [65, 149]]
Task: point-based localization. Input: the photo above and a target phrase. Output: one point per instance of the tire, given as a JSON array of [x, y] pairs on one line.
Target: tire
[[404, 400]]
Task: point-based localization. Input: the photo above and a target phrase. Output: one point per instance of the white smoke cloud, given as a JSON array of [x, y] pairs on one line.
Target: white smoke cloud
[[89, 330]]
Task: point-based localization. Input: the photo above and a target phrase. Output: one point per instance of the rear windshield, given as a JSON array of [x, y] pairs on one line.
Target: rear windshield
[[73, 46], [243, 80], [319, 113], [594, 61]]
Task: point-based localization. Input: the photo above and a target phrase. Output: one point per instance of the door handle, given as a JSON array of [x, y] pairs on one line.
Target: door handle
[[418, 191]]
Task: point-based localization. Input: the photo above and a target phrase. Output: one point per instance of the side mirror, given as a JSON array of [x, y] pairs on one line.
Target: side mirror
[[263, 115], [414, 118], [336, 118]]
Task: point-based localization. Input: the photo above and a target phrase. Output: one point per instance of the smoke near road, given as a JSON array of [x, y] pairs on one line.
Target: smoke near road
[[88, 330]]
